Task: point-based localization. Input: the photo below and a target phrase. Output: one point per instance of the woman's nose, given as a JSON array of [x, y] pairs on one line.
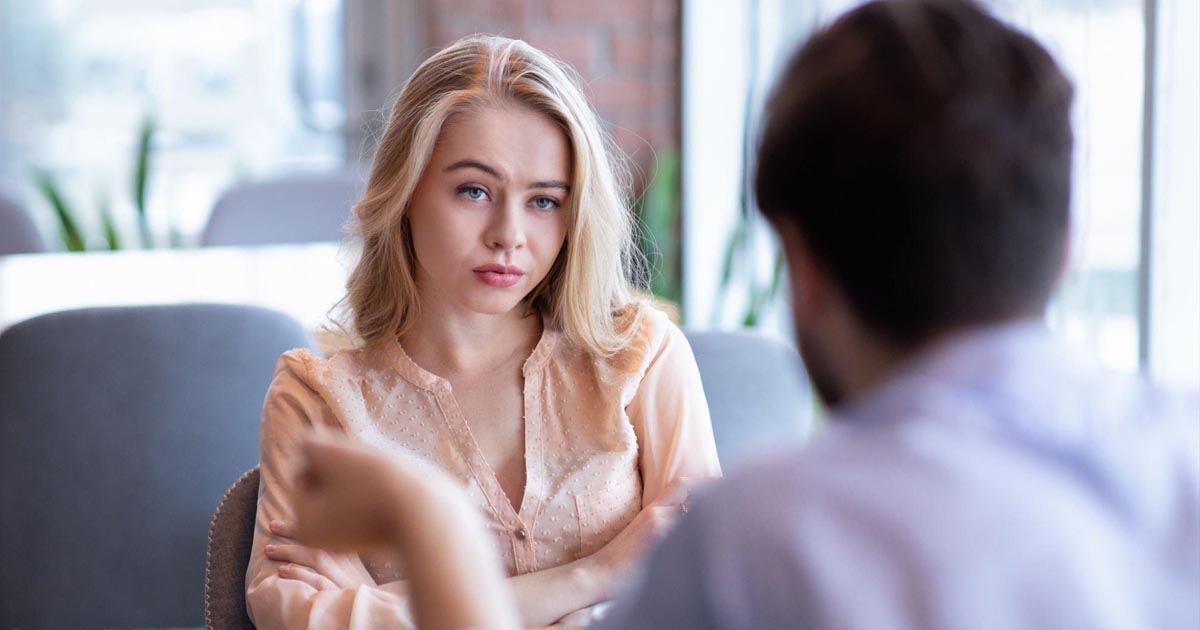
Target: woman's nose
[[505, 230]]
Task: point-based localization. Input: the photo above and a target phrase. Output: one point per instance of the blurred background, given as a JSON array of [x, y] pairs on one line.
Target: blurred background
[[124, 123], [155, 154]]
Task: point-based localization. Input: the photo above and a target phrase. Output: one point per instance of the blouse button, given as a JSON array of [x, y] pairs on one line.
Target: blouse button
[[520, 534]]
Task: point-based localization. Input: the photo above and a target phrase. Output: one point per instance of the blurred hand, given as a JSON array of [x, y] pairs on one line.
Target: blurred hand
[[342, 496], [351, 498], [583, 618]]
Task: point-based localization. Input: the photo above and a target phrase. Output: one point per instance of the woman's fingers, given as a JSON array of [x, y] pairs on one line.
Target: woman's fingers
[[315, 559], [306, 575], [295, 554], [335, 573], [284, 529]]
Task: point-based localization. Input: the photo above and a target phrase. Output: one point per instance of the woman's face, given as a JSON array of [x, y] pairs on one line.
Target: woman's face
[[489, 215]]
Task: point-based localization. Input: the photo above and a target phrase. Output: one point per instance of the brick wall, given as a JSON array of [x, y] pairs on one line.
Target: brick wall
[[627, 52]]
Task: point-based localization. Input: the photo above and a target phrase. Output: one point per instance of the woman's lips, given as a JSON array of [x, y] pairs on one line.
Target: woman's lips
[[499, 275]]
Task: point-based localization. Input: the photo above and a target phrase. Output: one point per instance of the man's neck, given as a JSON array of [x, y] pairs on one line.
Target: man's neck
[[855, 359], [873, 362]]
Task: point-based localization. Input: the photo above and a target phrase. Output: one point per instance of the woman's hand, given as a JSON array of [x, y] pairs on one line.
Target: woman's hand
[[616, 560], [316, 567]]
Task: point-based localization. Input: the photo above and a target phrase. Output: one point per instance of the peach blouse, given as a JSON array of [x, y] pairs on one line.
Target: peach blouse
[[603, 438]]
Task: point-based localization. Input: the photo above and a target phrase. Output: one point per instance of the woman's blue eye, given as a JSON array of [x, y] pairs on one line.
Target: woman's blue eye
[[545, 203], [474, 193]]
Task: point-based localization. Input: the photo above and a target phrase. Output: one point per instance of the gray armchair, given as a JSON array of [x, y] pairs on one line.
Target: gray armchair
[[18, 234], [757, 392], [294, 209], [119, 430], [230, 537]]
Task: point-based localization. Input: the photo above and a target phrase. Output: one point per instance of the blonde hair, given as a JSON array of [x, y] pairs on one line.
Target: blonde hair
[[595, 274]]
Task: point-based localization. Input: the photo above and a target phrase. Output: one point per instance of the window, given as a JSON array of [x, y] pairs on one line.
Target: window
[[236, 89], [1131, 291]]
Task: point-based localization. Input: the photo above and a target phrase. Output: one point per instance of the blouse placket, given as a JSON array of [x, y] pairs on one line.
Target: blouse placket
[[519, 525]]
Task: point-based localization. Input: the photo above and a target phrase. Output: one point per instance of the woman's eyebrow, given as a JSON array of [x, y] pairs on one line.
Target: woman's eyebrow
[[554, 183], [476, 164], [468, 163]]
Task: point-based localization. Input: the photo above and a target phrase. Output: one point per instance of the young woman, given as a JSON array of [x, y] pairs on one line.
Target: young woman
[[501, 341]]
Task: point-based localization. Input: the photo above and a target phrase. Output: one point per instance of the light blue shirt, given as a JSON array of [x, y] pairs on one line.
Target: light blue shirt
[[996, 483]]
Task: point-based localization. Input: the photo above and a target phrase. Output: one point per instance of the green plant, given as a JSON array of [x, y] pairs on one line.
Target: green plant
[[141, 176], [111, 236], [68, 227], [741, 260], [658, 213], [70, 233], [739, 263]]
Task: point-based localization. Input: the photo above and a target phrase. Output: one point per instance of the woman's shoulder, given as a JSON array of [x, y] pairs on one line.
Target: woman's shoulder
[[304, 379], [654, 325], [650, 330], [313, 369], [295, 361]]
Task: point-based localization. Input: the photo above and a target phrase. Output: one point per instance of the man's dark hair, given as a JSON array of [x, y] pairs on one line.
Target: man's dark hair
[[923, 150]]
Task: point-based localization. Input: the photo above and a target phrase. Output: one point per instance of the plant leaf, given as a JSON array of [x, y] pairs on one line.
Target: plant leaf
[[111, 236], [141, 177], [660, 217], [750, 320], [69, 231]]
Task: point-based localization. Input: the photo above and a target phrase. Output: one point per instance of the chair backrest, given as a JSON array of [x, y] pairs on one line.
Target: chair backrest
[[230, 536], [294, 209], [757, 392], [18, 234], [119, 430]]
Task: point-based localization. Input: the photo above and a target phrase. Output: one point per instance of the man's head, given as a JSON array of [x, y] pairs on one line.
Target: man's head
[[916, 160]]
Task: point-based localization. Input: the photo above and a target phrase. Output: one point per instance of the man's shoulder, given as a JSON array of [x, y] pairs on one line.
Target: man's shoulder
[[846, 522], [780, 482]]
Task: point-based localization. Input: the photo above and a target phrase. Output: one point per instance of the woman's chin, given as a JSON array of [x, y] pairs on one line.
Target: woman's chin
[[494, 305]]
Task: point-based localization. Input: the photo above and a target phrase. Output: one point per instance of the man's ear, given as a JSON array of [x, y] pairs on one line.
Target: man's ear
[[808, 283]]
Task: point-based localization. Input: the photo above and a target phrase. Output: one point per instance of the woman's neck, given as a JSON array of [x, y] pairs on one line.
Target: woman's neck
[[455, 344]]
